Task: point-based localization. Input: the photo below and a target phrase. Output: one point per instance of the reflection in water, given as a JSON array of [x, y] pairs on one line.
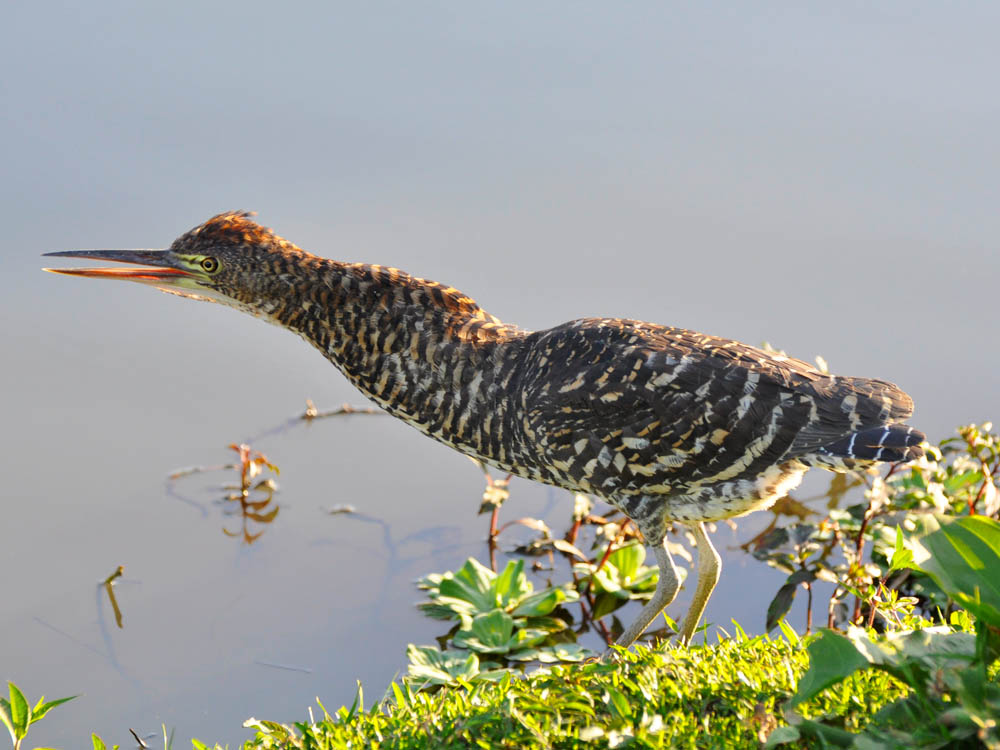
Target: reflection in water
[[286, 667], [109, 588], [255, 499], [256, 504]]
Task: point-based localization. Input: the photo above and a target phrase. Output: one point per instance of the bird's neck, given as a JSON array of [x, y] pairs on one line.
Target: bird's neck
[[423, 351]]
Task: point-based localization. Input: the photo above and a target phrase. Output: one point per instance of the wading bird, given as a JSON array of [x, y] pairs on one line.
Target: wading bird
[[665, 424]]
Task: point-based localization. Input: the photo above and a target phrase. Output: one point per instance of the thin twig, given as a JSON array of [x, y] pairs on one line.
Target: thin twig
[[809, 607], [312, 412], [604, 559]]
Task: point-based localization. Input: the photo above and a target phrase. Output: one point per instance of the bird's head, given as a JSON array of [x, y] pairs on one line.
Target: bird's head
[[229, 259]]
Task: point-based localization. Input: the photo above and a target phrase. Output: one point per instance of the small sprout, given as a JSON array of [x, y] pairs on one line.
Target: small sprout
[[17, 714], [108, 584], [311, 410], [114, 575]]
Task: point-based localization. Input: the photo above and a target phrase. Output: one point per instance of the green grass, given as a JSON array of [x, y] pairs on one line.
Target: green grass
[[725, 695]]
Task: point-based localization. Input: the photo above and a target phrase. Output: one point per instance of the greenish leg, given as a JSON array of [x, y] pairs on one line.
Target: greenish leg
[[666, 590], [709, 568]]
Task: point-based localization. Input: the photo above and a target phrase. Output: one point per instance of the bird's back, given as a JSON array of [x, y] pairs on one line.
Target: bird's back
[[624, 408]]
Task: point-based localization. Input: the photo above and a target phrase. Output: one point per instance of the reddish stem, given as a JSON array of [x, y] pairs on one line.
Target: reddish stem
[[809, 607]]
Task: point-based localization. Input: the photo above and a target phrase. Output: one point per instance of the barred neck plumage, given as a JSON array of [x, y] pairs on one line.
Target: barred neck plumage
[[423, 351]]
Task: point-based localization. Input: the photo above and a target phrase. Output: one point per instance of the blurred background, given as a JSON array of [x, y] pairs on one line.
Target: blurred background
[[822, 177]]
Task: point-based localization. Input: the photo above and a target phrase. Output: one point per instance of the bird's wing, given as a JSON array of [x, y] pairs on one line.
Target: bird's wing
[[621, 407], [846, 405]]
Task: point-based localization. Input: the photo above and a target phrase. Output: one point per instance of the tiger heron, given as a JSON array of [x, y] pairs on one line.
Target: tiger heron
[[665, 424]]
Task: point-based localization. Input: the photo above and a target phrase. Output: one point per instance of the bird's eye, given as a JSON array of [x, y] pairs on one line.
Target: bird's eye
[[211, 265]]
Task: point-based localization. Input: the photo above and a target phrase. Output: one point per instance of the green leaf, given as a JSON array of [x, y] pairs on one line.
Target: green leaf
[[561, 652], [472, 583], [543, 602], [494, 633], [490, 632], [620, 703], [780, 736], [98, 742], [962, 555], [605, 604], [511, 583], [832, 657], [5, 718], [902, 557], [827, 735], [779, 606], [20, 711], [628, 559], [789, 632], [958, 481], [915, 655], [398, 694], [436, 667], [474, 588], [41, 708], [623, 573]]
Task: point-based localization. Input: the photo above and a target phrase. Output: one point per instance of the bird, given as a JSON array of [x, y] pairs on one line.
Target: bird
[[665, 424]]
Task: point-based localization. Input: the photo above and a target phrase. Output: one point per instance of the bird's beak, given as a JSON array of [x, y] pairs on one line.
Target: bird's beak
[[160, 269]]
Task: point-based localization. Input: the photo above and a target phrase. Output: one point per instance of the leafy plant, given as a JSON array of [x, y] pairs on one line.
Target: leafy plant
[[623, 573], [500, 615], [475, 589], [855, 547], [17, 714], [953, 701], [429, 666], [496, 633]]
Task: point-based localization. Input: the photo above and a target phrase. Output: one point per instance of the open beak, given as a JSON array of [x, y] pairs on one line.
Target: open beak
[[159, 267]]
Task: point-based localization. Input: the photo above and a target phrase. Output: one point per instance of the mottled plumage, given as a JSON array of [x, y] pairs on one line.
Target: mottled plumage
[[663, 423]]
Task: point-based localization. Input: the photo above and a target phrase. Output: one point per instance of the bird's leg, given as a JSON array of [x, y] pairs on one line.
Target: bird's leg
[[666, 590], [709, 567]]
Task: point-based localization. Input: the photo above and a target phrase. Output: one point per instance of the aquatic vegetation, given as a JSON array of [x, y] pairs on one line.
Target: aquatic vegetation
[[475, 589]]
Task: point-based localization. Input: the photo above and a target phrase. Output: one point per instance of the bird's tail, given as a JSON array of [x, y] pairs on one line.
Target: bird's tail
[[892, 442]]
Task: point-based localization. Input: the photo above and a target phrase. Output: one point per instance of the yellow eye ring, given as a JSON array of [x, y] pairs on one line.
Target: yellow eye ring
[[210, 265]]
